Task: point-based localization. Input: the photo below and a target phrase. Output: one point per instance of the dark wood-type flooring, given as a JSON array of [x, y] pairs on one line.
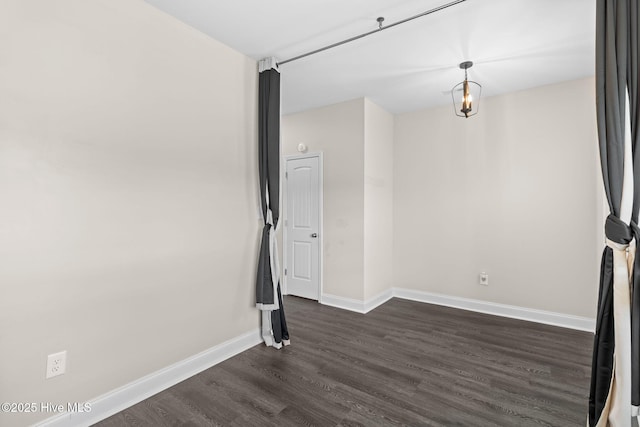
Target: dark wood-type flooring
[[404, 363]]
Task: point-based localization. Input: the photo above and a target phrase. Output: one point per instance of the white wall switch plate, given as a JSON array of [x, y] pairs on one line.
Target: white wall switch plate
[[56, 364]]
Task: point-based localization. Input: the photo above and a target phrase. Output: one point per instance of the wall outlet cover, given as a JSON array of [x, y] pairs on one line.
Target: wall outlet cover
[[56, 364]]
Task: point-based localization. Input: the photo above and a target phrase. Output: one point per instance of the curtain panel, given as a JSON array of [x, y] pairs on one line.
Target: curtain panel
[[615, 378], [268, 293]]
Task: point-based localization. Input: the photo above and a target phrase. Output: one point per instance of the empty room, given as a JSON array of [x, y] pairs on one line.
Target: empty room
[[319, 213]]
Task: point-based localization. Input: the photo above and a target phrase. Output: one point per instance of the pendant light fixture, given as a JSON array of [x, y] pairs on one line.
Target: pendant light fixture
[[466, 94]]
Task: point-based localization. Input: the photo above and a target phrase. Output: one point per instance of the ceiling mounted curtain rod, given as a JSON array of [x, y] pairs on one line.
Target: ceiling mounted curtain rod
[[380, 28]]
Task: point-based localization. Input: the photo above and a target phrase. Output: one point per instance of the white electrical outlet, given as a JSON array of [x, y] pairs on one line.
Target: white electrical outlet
[[484, 279], [56, 364]]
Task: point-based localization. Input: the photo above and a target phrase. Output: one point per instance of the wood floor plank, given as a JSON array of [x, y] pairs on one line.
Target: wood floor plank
[[404, 363]]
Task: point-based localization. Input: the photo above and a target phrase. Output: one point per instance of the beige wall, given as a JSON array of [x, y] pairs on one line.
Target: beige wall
[[513, 191], [378, 199], [128, 223], [356, 138], [338, 132]]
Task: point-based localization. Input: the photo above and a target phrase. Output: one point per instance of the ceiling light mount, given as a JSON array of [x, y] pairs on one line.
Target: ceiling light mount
[[466, 65], [468, 93]]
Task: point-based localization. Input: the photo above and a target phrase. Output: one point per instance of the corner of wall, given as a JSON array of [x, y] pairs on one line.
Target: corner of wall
[[378, 199]]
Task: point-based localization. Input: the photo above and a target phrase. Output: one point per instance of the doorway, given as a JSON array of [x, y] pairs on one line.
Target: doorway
[[302, 233]]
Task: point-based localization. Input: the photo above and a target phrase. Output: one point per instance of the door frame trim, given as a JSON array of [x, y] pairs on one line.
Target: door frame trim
[[320, 156]]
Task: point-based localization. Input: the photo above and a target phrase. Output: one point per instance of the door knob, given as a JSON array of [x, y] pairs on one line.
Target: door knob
[[314, 235]]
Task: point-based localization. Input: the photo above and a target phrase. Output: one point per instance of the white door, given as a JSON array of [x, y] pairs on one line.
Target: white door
[[302, 227]]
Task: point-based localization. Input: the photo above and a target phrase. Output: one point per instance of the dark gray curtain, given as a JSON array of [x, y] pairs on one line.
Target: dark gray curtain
[[616, 73], [268, 294]]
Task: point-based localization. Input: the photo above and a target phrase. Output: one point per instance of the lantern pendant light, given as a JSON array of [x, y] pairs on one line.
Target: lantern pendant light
[[466, 95]]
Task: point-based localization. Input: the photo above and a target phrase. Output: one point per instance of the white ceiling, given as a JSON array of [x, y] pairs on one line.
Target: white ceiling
[[515, 44]]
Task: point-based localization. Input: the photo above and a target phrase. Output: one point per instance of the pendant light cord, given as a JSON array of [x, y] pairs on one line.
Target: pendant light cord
[[380, 28]]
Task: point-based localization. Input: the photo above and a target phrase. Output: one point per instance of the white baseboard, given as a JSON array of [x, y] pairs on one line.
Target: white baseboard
[[378, 300], [136, 391], [358, 306], [503, 310], [343, 303]]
